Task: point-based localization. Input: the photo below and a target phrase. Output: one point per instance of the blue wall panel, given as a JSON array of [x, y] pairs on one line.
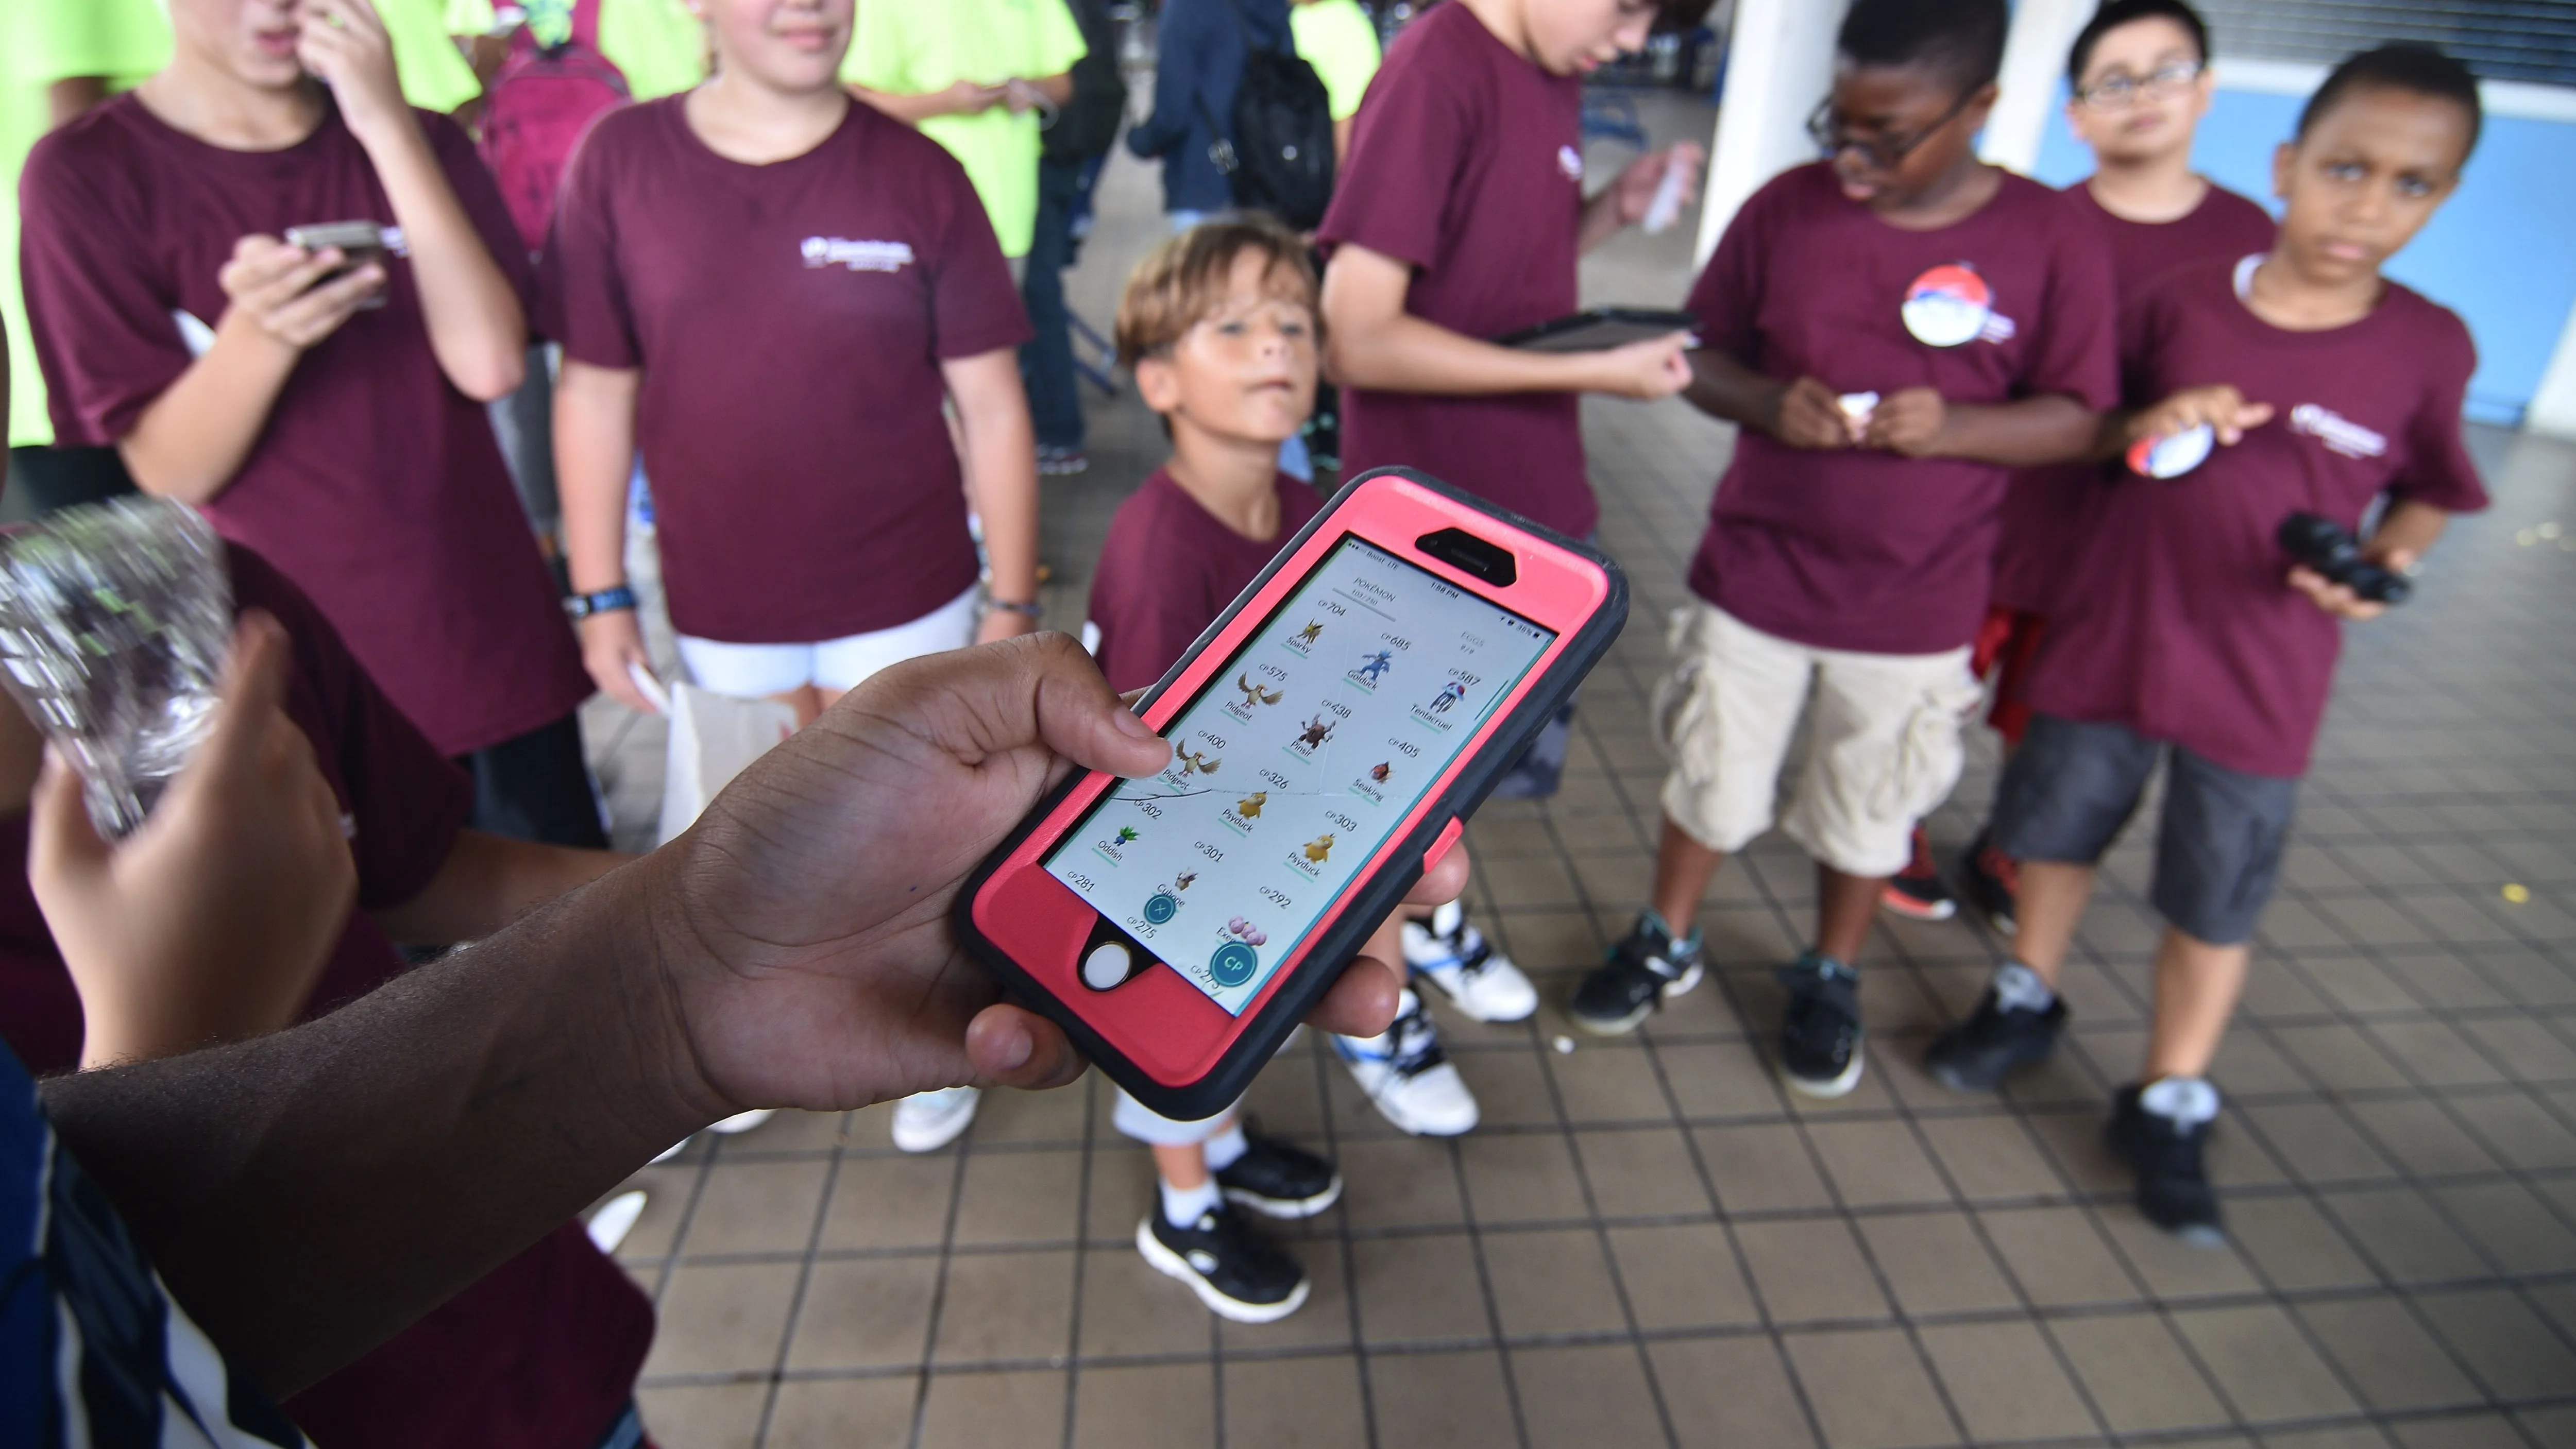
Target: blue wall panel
[[2501, 253]]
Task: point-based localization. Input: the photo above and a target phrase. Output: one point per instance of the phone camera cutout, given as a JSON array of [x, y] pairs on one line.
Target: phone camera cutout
[[1460, 549]]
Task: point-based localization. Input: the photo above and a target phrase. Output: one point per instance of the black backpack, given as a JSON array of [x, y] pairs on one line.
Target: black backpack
[[1088, 124], [1281, 159]]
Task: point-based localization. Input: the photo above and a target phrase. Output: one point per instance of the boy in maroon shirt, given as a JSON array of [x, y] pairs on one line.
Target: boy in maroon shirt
[[543, 1352], [329, 415], [2185, 628], [2140, 72], [1897, 327]]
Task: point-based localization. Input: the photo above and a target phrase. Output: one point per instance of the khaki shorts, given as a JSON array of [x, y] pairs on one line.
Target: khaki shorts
[[1884, 747]]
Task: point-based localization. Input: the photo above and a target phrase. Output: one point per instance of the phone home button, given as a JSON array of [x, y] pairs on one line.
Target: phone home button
[[1106, 966]]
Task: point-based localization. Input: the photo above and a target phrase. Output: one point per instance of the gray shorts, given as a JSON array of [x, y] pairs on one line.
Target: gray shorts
[[2071, 787]]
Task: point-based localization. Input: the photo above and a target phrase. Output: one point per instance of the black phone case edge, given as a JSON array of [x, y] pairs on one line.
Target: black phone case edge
[[1374, 899], [1595, 316]]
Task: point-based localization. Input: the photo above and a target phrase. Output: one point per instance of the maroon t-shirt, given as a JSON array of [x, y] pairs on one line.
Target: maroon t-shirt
[[376, 485], [542, 1353], [2177, 619], [2044, 512], [1863, 549], [1169, 567], [790, 321], [1467, 163]]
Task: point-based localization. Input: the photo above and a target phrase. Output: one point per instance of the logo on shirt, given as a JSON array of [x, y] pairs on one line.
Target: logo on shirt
[[858, 256], [1570, 161], [1951, 306], [2340, 434]]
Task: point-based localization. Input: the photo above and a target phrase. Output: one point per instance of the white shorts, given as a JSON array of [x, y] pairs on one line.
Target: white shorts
[[1884, 747], [1135, 1120], [760, 671]]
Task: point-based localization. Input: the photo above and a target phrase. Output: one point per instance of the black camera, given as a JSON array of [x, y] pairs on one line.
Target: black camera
[[2330, 548]]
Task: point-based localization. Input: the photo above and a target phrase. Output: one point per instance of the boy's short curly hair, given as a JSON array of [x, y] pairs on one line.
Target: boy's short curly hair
[[1183, 280]]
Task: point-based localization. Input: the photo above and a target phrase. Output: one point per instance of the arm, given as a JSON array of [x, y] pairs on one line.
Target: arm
[[67, 98], [1057, 89], [1001, 478], [309, 1193], [476, 326], [487, 882], [189, 442], [2025, 433], [594, 457], [1373, 342], [959, 98], [1803, 414], [1625, 201]]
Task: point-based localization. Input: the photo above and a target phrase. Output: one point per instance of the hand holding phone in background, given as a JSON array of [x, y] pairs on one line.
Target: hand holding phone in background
[[295, 296]]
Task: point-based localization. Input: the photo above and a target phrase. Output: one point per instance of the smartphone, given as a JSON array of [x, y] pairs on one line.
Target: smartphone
[[360, 241], [1330, 732], [1599, 330]]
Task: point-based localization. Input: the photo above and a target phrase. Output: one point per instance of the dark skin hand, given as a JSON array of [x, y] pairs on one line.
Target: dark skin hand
[[309, 1193]]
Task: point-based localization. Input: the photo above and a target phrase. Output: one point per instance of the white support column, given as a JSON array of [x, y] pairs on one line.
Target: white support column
[[2553, 407], [1779, 63], [2034, 57]]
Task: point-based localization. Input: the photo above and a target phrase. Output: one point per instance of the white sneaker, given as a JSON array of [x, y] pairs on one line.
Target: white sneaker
[[928, 1121], [1409, 1077], [1465, 966], [614, 1220], [741, 1122]]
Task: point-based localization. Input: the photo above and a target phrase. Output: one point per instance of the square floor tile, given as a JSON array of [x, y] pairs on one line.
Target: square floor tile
[[2386, 1355], [1548, 1284], [831, 1413], [972, 1411], [864, 1313], [1641, 1172], [1400, 1183], [1811, 1270], [1005, 1307], [2263, 1363], [2507, 1346], [2139, 1374], [722, 1318], [2316, 1142], [1577, 1397], [2006, 1383], [1440, 1400], [1520, 1178], [1877, 1164], [1681, 1275], [889, 1202], [704, 1416], [1159, 1406], [1991, 1157], [1730, 1393], [2517, 1129], [1293, 1403], [1761, 1168], [757, 1207], [2058, 1256], [1720, 1079], [1129, 1308], [1019, 1197], [2295, 1246], [1609, 1084], [1869, 1390], [1420, 1288], [1935, 1264], [2398, 1229], [2515, 1229]]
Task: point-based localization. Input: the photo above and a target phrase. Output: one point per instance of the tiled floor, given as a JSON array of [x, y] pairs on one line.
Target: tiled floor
[[1649, 1242]]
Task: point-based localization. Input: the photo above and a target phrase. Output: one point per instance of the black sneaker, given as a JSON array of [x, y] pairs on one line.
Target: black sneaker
[[1820, 1034], [2173, 1186], [1279, 1179], [1918, 892], [1236, 1272], [1977, 1054], [1993, 880], [1645, 968]]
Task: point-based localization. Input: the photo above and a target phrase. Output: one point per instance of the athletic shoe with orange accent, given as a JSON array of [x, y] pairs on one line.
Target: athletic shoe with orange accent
[[1918, 890]]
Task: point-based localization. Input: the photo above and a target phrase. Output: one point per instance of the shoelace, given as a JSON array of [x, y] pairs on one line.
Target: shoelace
[[1811, 992], [1415, 1045], [1634, 951]]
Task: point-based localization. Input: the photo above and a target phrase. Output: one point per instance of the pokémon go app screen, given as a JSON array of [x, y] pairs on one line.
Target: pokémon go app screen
[[1295, 766]]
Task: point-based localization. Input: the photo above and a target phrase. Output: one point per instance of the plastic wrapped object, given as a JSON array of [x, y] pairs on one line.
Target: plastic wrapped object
[[114, 621]]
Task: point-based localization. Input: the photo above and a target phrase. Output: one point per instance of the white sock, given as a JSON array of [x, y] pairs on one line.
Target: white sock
[[2189, 1101], [2018, 988], [1445, 919], [1183, 1206], [1226, 1148]]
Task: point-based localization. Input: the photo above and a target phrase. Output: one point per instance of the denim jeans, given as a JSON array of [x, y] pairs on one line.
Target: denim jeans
[[1046, 361]]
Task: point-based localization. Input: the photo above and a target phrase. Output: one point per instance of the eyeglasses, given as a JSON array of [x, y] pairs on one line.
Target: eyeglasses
[[2120, 90], [1881, 152]]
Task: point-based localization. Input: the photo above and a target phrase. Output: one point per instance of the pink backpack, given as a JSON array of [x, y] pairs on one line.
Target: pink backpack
[[540, 104]]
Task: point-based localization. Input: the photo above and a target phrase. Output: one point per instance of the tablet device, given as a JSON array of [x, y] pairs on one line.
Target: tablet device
[[1599, 330]]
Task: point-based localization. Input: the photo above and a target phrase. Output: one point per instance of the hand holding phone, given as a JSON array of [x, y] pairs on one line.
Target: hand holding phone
[[360, 244], [1328, 734], [294, 296]]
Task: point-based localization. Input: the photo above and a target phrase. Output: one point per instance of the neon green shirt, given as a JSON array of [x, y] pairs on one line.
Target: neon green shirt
[[41, 42], [435, 75], [913, 47], [658, 43], [1336, 38]]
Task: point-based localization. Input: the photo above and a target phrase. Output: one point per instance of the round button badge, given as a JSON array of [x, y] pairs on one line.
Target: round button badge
[[2174, 456], [1160, 908], [1948, 306], [1233, 964]]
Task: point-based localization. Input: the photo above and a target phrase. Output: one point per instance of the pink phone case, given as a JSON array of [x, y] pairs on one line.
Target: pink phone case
[[1156, 1034]]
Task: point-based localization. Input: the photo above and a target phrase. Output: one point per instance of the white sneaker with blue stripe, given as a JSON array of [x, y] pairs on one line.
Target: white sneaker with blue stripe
[[1457, 958]]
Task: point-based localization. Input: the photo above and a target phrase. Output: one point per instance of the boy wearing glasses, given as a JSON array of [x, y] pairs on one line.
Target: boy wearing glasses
[[1896, 327], [2140, 73]]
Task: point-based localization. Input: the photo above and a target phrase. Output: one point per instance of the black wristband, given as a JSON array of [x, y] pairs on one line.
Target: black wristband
[[608, 600]]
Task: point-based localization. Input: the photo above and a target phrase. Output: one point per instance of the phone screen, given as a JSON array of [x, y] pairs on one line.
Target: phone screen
[[1296, 764]]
